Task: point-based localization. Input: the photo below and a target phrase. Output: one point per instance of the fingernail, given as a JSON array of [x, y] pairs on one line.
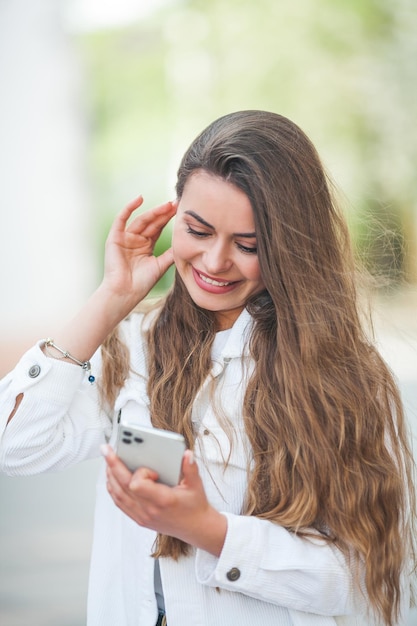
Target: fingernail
[[104, 449], [190, 455]]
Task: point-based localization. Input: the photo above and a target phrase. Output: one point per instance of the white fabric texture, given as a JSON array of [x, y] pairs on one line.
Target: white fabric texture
[[283, 579]]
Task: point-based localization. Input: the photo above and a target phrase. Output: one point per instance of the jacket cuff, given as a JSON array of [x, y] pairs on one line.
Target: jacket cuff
[[235, 568], [35, 366]]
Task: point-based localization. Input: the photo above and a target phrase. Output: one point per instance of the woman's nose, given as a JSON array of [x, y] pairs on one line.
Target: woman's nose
[[217, 258]]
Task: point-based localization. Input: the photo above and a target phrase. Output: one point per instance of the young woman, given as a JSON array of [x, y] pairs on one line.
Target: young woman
[[296, 503]]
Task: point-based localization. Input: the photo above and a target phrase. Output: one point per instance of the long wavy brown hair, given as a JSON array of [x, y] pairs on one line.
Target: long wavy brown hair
[[322, 410]]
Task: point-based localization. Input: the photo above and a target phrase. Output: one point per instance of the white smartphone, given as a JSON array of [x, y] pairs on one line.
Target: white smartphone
[[157, 449]]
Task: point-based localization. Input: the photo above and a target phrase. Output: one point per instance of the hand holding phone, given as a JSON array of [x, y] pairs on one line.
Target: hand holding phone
[[159, 450]]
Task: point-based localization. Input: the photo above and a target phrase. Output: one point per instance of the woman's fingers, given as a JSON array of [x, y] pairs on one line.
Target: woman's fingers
[[122, 217], [152, 221], [117, 471], [156, 216], [137, 495], [165, 260], [141, 234], [181, 511]]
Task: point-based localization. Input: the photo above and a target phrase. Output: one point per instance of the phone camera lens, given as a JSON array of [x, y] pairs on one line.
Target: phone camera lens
[[138, 440]]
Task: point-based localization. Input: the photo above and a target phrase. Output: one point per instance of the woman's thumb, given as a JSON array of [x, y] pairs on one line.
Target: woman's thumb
[[189, 467]]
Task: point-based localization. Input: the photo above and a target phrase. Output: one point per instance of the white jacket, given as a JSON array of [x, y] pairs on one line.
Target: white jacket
[[280, 578]]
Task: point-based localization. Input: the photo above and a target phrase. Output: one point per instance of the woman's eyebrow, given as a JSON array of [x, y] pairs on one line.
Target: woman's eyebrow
[[199, 219], [204, 223]]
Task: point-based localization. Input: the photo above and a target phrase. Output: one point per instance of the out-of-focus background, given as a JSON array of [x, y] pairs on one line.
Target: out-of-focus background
[[98, 101]]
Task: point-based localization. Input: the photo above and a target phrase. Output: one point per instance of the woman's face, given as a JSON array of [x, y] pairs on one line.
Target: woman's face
[[214, 245]]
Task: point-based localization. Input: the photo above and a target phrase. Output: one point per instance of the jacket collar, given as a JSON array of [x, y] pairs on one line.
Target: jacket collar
[[237, 342]]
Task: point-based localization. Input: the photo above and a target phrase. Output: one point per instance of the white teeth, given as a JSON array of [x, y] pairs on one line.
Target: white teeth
[[210, 281]]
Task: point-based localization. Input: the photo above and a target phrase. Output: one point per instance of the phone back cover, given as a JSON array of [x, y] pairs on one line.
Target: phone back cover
[[161, 451]]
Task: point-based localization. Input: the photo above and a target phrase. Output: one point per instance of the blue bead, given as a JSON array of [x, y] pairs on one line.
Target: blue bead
[[91, 379]]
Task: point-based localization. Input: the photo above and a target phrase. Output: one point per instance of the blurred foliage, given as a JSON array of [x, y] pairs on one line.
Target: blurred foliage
[[344, 71]]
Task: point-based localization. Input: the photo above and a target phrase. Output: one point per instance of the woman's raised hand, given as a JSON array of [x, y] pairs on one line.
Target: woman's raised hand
[[131, 269]]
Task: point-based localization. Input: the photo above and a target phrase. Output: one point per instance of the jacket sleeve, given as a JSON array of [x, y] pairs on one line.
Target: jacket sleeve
[[265, 561], [59, 421]]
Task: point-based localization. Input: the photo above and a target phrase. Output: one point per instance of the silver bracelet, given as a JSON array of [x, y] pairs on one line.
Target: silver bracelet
[[86, 365]]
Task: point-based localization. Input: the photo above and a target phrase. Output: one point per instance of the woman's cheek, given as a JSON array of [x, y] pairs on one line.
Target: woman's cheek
[[254, 271], [182, 247]]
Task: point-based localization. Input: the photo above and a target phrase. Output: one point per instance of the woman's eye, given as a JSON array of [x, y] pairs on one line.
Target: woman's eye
[[196, 233], [247, 249]]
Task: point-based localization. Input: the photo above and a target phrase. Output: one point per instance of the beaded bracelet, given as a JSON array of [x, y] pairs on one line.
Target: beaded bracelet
[[86, 365]]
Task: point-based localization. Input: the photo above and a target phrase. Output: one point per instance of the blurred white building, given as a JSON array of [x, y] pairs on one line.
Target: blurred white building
[[47, 264]]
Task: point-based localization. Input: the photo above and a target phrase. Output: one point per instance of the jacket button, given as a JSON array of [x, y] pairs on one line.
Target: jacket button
[[34, 371], [233, 574]]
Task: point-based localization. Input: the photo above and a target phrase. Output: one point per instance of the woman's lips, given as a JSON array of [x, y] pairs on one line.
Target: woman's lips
[[213, 285]]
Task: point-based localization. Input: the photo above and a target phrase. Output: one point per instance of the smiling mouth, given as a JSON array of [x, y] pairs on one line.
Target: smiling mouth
[[216, 283]]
